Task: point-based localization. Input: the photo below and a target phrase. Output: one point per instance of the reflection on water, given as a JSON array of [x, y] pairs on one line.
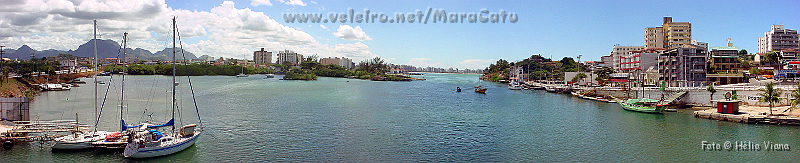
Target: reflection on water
[[348, 120]]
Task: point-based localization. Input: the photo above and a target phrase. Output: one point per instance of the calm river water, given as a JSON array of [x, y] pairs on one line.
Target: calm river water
[[346, 120]]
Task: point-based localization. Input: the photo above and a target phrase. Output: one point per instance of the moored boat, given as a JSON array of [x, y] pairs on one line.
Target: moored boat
[[643, 105]]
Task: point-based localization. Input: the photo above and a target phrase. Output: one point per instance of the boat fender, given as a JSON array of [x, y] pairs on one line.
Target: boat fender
[[8, 144]]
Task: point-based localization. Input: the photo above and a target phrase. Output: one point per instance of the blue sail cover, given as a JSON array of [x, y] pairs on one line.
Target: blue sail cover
[[170, 123], [124, 127]]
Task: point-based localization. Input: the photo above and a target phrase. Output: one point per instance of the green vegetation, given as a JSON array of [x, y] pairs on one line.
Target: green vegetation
[[770, 57], [299, 74], [372, 69], [712, 90], [26, 68], [795, 97], [537, 67], [770, 94], [579, 76], [193, 69]]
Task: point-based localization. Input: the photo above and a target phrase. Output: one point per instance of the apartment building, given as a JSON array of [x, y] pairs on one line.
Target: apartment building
[[669, 35], [683, 66], [778, 38]]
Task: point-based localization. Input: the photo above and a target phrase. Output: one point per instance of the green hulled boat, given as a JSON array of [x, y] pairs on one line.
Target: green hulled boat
[[643, 105]]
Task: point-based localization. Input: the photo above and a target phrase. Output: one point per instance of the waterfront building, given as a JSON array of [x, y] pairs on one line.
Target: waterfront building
[[640, 59], [778, 38], [262, 57], [669, 35], [787, 55], [683, 66], [700, 44], [289, 56], [639, 62], [517, 73], [618, 51], [344, 62], [727, 68], [607, 60]]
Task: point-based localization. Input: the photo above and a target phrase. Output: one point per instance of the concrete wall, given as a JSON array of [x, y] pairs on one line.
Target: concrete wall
[[696, 97]]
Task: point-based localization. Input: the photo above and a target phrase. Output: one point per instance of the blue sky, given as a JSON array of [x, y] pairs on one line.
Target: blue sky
[[550, 28]]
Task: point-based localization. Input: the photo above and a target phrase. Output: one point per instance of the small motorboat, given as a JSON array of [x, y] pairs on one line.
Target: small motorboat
[[270, 76], [480, 89]]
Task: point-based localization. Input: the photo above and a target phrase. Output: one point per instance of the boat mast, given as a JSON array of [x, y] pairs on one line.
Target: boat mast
[[174, 30], [95, 72], [122, 89]]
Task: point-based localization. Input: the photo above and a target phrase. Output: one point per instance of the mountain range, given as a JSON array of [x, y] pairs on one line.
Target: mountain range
[[105, 49]]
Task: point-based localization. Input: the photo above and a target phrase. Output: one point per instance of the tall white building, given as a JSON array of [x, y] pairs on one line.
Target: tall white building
[[344, 62], [289, 56], [778, 38]]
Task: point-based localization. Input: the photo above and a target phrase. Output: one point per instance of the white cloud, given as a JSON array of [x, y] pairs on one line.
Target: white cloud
[[260, 2], [349, 33], [323, 26], [293, 2], [224, 31], [476, 63]]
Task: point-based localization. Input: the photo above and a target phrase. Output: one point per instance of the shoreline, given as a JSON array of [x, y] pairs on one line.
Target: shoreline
[[21, 87]]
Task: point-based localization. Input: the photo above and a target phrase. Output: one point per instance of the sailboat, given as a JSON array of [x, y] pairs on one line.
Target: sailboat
[[118, 140], [147, 141], [81, 140], [241, 75]]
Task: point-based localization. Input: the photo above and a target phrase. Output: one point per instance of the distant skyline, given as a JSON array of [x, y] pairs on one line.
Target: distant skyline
[[233, 29]]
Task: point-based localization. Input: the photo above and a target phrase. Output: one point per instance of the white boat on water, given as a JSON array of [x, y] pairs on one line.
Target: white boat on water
[[153, 143], [514, 86], [270, 76], [78, 140], [147, 141]]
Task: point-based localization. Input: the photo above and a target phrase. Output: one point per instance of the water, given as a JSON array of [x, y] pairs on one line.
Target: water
[[347, 120]]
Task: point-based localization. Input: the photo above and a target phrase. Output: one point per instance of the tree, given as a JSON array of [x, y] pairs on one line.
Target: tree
[[711, 89], [743, 53], [770, 94], [579, 76], [795, 97], [375, 65], [770, 57], [754, 71], [604, 72]]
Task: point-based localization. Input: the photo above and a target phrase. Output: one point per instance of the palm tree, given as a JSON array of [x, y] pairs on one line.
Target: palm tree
[[770, 94], [711, 89], [795, 97]]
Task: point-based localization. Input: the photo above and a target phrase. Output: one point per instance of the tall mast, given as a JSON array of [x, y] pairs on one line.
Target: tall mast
[[95, 72], [122, 89], [174, 31]]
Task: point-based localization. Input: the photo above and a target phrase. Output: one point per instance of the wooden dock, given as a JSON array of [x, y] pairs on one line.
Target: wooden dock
[[30, 131]]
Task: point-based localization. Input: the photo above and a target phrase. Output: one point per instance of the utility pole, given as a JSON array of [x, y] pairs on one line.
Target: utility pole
[[2, 67]]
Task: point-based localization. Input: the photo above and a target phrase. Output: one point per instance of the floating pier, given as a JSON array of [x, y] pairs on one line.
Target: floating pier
[[28, 131], [747, 118]]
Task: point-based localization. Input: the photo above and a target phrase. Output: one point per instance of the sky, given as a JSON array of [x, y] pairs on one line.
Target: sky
[[234, 29]]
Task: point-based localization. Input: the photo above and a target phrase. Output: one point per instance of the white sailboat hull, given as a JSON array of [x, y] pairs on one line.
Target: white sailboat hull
[[81, 142], [71, 145], [147, 152]]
